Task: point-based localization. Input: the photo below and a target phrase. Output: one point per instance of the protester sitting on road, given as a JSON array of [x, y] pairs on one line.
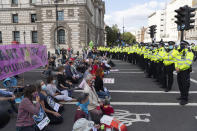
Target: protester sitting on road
[[85, 125], [27, 109], [54, 116], [69, 74], [82, 109], [83, 82], [107, 108], [54, 92], [6, 96], [100, 90], [63, 83], [95, 67], [94, 105]]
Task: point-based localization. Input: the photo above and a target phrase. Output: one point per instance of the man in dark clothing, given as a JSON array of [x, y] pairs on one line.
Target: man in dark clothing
[[69, 74]]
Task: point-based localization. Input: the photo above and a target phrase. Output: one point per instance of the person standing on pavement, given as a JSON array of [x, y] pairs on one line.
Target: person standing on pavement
[[169, 60], [183, 67]]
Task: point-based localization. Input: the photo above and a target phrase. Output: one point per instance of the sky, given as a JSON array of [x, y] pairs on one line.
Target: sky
[[134, 12]]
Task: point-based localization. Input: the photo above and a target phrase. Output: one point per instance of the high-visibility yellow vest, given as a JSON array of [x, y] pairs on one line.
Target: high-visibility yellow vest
[[184, 62]]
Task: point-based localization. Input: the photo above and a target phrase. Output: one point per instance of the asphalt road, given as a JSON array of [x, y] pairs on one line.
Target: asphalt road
[[138, 102]]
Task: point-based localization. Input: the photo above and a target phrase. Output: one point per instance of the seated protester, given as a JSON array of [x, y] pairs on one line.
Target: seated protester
[[107, 108], [98, 85], [94, 105], [6, 96], [27, 110], [63, 84], [82, 85], [94, 67], [55, 117], [85, 125], [9, 83], [70, 76], [52, 90], [82, 109]]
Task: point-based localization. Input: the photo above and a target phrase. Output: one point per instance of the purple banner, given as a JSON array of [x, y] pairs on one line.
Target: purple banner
[[17, 59]]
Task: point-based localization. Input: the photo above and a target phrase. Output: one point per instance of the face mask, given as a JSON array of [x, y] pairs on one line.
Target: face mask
[[44, 87], [146, 47], [151, 48], [182, 47], [170, 47], [54, 81], [155, 48]]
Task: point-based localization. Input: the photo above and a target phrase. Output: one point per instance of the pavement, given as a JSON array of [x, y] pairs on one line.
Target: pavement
[[138, 102]]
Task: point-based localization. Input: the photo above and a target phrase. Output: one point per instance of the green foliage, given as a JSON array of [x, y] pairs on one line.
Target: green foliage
[[128, 38], [114, 36]]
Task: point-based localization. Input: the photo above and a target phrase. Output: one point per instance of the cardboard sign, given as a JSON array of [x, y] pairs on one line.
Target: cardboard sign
[[108, 80], [55, 106], [41, 119]]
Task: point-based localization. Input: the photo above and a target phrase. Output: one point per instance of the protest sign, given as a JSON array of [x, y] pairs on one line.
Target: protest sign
[[17, 59], [55, 106], [41, 119]]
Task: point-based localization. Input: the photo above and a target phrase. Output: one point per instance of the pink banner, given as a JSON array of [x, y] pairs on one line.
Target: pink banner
[[17, 59]]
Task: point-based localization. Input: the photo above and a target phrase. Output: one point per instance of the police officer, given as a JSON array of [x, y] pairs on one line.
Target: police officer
[[169, 60], [183, 67]]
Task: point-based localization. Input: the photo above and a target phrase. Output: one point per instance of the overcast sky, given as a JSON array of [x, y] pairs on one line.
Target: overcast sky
[[135, 12]]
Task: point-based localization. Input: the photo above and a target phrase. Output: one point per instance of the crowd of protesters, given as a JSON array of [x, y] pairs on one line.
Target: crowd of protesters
[[65, 73]]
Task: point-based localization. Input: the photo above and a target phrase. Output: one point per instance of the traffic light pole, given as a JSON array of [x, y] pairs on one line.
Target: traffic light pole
[[182, 35]]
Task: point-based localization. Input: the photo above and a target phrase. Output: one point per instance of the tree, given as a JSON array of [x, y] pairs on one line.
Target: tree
[[128, 38], [113, 35]]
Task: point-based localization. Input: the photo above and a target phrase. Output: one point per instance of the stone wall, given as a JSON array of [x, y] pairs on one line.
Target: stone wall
[[79, 19]]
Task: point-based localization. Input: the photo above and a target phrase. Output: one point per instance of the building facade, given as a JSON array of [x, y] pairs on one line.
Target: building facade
[[165, 21], [140, 34], [54, 23]]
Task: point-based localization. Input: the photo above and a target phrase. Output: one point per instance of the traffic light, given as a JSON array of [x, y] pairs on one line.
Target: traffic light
[[184, 15], [152, 31], [189, 20]]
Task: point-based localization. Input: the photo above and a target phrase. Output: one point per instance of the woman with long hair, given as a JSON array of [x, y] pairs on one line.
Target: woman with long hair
[[98, 85], [27, 109]]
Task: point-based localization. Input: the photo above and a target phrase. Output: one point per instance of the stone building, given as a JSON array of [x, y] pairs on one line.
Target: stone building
[[54, 23]]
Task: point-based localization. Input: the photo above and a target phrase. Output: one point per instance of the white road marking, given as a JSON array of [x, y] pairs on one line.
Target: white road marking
[[127, 72], [191, 79], [139, 104], [129, 118], [131, 69], [144, 92]]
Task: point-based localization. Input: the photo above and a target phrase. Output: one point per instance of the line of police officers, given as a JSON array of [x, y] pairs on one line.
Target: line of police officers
[[159, 61]]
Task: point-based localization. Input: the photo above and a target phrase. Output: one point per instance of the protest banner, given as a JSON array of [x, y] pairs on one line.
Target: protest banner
[[17, 59]]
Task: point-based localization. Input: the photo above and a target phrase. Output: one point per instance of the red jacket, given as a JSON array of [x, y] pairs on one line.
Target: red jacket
[[108, 110]]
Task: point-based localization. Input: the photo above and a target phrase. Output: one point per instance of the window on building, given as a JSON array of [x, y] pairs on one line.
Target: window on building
[[33, 18], [61, 36], [1, 41], [60, 15], [34, 36], [32, 1], [16, 36], [14, 2], [162, 19], [15, 18]]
